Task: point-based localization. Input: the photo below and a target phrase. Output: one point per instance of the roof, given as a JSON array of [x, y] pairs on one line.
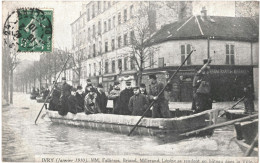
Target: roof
[[216, 27]]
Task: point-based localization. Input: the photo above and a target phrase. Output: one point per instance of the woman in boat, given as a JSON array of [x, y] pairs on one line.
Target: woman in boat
[[201, 89], [90, 103], [138, 102]]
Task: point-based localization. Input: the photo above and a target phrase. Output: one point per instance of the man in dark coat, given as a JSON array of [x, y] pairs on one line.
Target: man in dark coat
[[80, 95], [88, 86], [55, 97], [72, 102], [160, 107], [201, 89], [144, 92], [249, 99], [124, 98], [138, 102], [101, 99], [114, 95], [65, 93]]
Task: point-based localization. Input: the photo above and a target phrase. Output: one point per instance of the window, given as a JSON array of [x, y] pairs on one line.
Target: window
[[105, 26], [106, 67], [94, 69], [132, 63], [93, 11], [100, 68], [113, 44], [230, 54], [106, 46], [132, 37], [89, 33], [89, 51], [125, 39], [161, 62], [125, 15], [114, 21], [119, 41], [105, 3], [94, 30], [185, 50], [131, 11], [94, 50], [113, 66], [109, 4], [151, 59], [99, 27], [119, 64], [88, 14], [100, 47], [109, 24], [119, 18], [125, 63], [89, 69], [99, 7]]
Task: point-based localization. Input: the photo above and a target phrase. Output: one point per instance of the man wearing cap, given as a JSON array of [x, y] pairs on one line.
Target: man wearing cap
[[55, 97], [91, 102], [138, 102], [80, 95], [114, 95], [124, 98], [65, 93], [201, 89], [160, 107], [101, 99], [88, 86]]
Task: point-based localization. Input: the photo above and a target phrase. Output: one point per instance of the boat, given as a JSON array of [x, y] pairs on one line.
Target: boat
[[245, 134], [181, 122], [236, 113]]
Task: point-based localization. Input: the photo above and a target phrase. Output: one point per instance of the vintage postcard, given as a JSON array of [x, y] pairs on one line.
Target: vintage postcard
[[130, 81]]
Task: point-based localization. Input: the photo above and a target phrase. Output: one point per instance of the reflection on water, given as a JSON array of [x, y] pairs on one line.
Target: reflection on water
[[22, 139]]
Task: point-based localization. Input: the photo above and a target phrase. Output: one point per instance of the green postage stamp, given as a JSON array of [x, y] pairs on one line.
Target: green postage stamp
[[34, 31]]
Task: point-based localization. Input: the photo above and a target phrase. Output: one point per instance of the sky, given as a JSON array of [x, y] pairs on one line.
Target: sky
[[65, 12]]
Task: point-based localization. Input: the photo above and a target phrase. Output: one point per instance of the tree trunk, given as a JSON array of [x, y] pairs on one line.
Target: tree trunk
[[11, 86], [139, 77], [7, 88]]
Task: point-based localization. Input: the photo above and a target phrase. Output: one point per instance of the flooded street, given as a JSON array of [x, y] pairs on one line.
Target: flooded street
[[22, 139]]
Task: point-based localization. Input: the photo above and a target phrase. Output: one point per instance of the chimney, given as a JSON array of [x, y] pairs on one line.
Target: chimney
[[203, 12]]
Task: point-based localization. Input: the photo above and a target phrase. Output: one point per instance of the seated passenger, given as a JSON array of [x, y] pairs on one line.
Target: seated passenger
[[138, 102], [90, 102], [80, 95], [72, 102]]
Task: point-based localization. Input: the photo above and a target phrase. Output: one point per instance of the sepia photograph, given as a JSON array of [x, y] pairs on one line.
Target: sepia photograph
[[130, 81]]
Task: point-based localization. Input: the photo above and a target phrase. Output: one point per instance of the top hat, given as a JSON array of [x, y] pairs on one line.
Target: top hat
[[79, 87], [116, 83], [142, 85], [152, 76], [73, 89], [100, 85], [88, 80], [92, 90], [128, 83], [63, 78]]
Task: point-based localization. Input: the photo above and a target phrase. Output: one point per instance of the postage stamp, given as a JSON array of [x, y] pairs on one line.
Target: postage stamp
[[30, 30]]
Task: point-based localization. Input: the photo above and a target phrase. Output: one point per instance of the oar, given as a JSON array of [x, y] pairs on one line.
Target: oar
[[232, 107], [160, 92], [250, 149], [51, 89], [219, 125]]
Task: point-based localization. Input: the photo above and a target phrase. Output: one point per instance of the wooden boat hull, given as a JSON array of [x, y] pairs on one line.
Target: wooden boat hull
[[235, 114], [244, 147], [159, 127], [41, 100]]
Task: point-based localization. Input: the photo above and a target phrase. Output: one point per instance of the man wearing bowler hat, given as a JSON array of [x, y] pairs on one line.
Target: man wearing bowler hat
[[124, 98], [101, 98], [65, 93], [160, 107], [114, 95]]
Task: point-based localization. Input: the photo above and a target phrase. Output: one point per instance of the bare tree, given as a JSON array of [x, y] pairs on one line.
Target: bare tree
[[248, 9], [142, 28], [77, 60]]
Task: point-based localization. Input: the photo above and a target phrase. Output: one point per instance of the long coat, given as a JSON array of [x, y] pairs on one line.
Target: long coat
[[65, 93], [138, 104], [80, 101], [123, 101], [114, 95], [54, 102], [102, 101], [90, 104], [73, 104]]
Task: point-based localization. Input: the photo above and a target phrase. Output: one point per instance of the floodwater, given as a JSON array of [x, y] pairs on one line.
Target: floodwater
[[22, 139]]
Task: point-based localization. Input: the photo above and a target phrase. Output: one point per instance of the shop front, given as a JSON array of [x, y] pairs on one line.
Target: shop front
[[108, 82]]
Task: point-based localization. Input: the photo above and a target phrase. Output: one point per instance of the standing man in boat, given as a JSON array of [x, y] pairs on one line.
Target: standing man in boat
[[65, 93], [114, 95], [138, 102], [160, 107], [201, 89], [80, 95], [101, 99], [124, 98], [55, 96], [72, 102]]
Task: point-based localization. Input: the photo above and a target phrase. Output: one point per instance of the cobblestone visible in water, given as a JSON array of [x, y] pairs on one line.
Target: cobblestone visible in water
[[22, 139]]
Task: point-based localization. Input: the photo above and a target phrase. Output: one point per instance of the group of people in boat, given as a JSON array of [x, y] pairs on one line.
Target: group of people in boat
[[133, 100], [92, 100]]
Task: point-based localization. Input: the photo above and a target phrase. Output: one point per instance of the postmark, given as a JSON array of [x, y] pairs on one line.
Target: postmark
[[29, 30]]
